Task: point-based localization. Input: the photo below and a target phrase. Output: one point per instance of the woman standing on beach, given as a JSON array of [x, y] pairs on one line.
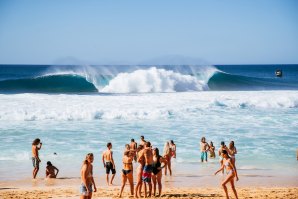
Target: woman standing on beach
[[141, 161], [87, 177], [173, 147], [156, 171], [167, 154], [211, 150], [231, 173], [232, 151], [127, 171]]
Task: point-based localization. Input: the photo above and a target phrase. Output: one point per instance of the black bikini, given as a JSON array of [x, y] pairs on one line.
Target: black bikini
[[125, 172], [155, 166]]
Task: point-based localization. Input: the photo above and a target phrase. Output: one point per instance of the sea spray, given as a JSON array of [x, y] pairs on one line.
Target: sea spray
[[153, 80]]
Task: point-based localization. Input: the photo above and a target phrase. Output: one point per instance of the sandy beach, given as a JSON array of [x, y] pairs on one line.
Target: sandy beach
[[112, 192]]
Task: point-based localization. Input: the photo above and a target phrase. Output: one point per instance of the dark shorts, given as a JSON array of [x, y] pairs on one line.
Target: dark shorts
[[109, 167], [146, 176], [35, 162]]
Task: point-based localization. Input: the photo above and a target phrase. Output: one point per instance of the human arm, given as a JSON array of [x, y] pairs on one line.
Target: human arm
[[221, 168], [56, 172], [112, 159], [164, 161], [47, 172], [92, 179], [103, 160]]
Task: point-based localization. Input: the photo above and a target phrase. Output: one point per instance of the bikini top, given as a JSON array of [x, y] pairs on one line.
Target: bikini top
[[227, 163]]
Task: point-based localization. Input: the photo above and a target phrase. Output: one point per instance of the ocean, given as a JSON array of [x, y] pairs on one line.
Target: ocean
[[75, 110]]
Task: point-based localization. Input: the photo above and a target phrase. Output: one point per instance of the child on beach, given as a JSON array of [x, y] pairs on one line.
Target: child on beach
[[50, 170], [87, 177], [108, 163], [231, 173], [211, 150], [204, 149], [35, 156]]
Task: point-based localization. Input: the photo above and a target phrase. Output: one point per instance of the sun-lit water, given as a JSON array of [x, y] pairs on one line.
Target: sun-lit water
[[263, 124]]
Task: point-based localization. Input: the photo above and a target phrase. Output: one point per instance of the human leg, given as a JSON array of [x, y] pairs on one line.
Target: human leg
[[124, 178]]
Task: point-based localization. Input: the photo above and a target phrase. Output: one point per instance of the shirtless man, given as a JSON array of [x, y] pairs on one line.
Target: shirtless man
[[108, 163], [133, 148], [50, 170], [143, 141], [204, 149], [147, 170], [87, 180], [35, 157]]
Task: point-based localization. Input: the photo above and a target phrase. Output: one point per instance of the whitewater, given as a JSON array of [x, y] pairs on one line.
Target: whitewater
[[77, 110]]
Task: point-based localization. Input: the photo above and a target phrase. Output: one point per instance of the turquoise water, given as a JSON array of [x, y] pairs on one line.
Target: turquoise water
[[76, 110], [262, 124]]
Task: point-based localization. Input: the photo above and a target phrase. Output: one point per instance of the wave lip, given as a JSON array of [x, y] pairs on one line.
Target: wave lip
[[153, 80]]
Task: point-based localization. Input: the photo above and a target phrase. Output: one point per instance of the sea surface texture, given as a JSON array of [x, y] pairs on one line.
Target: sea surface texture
[[75, 110]]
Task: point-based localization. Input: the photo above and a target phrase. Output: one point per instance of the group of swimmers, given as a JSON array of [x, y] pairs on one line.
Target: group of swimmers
[[227, 161], [149, 169]]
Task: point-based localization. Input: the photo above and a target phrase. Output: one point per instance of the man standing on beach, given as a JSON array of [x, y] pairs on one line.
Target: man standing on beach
[[204, 149], [35, 157], [143, 141], [147, 170], [133, 148], [108, 163]]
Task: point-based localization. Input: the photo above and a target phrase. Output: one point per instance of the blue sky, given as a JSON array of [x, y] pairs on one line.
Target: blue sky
[[148, 32]]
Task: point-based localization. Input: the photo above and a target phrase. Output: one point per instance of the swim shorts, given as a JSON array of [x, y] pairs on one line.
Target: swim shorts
[[109, 167], [146, 176], [83, 189], [35, 162]]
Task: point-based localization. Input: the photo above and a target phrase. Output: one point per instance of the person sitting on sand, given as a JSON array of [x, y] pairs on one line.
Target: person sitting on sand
[[231, 173], [139, 172], [204, 146], [147, 170], [87, 177], [232, 151], [36, 146], [127, 171], [50, 170], [173, 147], [156, 171], [167, 154], [211, 150], [108, 163]]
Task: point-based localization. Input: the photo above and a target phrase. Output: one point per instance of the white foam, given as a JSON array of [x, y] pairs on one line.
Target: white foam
[[153, 80], [32, 107]]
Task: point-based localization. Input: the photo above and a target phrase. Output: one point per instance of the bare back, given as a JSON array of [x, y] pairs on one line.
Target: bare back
[[148, 156], [107, 155]]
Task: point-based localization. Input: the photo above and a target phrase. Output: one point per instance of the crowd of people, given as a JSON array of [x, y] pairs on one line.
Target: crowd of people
[[150, 166]]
